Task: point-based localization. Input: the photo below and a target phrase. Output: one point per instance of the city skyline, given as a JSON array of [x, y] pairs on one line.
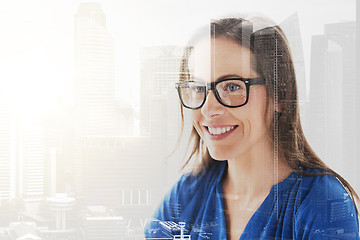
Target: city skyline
[[82, 133], [55, 51]]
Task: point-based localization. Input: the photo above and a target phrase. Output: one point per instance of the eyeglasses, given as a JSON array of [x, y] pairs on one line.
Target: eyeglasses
[[233, 92]]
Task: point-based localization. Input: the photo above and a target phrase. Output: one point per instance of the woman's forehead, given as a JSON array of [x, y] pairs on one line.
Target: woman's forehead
[[221, 56]]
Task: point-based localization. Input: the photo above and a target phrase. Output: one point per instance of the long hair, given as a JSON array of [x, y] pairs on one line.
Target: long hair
[[272, 59]]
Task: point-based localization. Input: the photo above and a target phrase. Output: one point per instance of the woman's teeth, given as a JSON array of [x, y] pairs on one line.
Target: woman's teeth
[[218, 131]]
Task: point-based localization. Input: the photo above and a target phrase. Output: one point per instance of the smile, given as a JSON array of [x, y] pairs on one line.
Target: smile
[[216, 131]]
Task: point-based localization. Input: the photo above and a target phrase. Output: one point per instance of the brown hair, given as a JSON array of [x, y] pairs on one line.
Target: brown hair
[[272, 59]]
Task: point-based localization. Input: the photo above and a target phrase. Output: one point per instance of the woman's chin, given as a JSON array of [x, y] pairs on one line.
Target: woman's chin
[[218, 155]]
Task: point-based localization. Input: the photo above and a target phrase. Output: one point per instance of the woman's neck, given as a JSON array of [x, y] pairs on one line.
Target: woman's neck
[[255, 173]]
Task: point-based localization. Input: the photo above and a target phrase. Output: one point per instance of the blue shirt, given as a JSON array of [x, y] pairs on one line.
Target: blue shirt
[[299, 207]]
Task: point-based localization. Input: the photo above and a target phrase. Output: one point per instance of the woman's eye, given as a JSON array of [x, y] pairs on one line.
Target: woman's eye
[[199, 89], [231, 87]]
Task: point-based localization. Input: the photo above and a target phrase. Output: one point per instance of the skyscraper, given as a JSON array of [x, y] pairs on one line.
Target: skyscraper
[[99, 117], [97, 110], [7, 152], [344, 35], [159, 71], [333, 97], [32, 162], [291, 28]]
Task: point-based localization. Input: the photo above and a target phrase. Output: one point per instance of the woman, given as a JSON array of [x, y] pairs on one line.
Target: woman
[[257, 177]]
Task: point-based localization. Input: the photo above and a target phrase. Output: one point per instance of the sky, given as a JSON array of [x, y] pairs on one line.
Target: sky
[[37, 37]]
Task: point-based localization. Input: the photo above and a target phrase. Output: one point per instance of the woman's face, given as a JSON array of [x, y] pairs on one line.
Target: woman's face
[[246, 126]]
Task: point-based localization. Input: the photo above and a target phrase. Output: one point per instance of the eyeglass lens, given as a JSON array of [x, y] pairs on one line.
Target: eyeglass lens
[[229, 92]]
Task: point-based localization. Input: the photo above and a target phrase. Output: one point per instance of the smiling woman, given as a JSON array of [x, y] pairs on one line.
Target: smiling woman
[[244, 117], [255, 176]]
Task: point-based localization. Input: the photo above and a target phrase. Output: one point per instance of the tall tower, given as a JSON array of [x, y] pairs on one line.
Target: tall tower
[[98, 115], [7, 152], [32, 162], [291, 28], [333, 97], [160, 111], [96, 108], [344, 34], [159, 71]]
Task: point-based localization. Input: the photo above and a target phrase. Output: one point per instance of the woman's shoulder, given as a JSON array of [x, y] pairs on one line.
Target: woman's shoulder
[[322, 190], [326, 207], [319, 183], [190, 182], [313, 183]]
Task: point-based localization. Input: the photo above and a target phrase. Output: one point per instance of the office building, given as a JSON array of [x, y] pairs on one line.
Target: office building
[[7, 152], [97, 112], [333, 90], [32, 162]]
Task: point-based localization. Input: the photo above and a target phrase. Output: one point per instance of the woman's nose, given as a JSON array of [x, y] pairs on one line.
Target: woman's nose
[[212, 107]]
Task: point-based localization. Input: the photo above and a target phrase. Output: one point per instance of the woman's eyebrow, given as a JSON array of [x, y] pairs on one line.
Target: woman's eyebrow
[[219, 78], [228, 76]]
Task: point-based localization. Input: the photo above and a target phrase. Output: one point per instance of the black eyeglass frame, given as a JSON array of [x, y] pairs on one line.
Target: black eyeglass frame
[[212, 86]]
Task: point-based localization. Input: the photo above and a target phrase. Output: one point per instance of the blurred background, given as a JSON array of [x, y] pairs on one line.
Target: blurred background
[[89, 113]]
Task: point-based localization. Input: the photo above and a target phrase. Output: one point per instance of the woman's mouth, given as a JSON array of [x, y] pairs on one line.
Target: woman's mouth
[[220, 131]]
